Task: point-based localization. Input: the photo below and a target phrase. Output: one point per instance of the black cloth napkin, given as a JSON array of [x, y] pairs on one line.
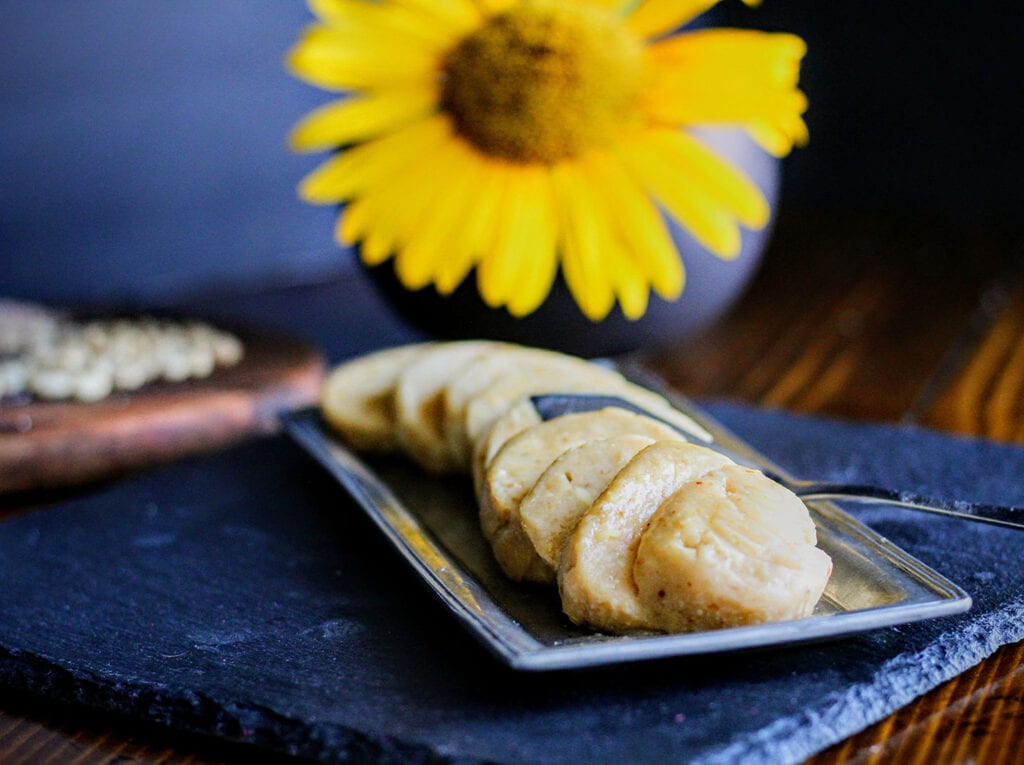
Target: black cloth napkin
[[244, 595]]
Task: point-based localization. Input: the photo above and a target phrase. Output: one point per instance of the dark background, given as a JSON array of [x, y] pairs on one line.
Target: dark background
[[143, 158]]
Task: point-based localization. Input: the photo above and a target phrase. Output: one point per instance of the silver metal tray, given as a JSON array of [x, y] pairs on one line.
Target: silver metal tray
[[433, 523]]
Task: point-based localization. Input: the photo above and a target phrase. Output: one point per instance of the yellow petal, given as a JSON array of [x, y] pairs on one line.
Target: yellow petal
[[459, 16], [618, 246], [333, 60], [721, 182], [652, 18], [400, 205], [356, 224], [386, 20], [493, 7], [534, 247], [428, 242], [732, 49], [332, 182], [351, 223], [797, 130], [384, 207], [779, 138], [351, 172], [376, 247], [533, 290], [579, 220], [733, 77], [498, 260], [620, 7], [346, 121], [473, 235], [641, 227], [769, 138], [686, 200], [734, 104], [630, 286]]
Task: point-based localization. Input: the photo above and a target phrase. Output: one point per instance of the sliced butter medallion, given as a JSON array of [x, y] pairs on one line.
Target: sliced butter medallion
[[518, 418], [595, 573], [493, 419], [660, 407], [480, 374], [483, 409], [733, 548], [521, 461], [566, 490], [358, 401], [419, 406]]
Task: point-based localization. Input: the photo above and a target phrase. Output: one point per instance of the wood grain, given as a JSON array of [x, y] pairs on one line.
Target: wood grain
[[44, 735], [988, 397], [868, 319], [935, 337], [975, 718], [51, 444], [846, 319]]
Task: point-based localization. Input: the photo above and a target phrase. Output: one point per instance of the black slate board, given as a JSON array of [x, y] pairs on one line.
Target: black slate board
[[243, 595]]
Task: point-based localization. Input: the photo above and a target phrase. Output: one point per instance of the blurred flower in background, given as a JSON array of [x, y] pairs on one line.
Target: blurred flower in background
[[520, 137]]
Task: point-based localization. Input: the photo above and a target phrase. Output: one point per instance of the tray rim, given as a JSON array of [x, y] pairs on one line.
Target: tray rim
[[471, 604]]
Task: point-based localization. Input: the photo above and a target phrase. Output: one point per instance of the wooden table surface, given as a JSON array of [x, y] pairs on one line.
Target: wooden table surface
[[868, 319]]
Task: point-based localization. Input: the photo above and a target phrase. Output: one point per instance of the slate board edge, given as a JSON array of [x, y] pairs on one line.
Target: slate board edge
[[201, 714], [794, 739], [788, 740]]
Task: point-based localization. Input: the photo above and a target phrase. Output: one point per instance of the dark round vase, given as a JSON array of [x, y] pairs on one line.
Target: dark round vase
[[712, 286]]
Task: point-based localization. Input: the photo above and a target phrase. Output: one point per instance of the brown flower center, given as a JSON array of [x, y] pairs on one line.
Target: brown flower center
[[543, 81]]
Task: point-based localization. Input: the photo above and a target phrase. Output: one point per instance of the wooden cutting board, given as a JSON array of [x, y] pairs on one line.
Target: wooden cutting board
[[53, 444]]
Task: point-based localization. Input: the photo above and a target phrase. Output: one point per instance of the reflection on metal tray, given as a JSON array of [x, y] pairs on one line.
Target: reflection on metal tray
[[433, 523]]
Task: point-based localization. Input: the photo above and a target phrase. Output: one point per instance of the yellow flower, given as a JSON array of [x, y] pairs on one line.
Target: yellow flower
[[519, 136]]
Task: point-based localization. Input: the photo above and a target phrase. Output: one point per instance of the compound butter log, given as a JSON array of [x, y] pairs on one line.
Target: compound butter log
[[47, 445]]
